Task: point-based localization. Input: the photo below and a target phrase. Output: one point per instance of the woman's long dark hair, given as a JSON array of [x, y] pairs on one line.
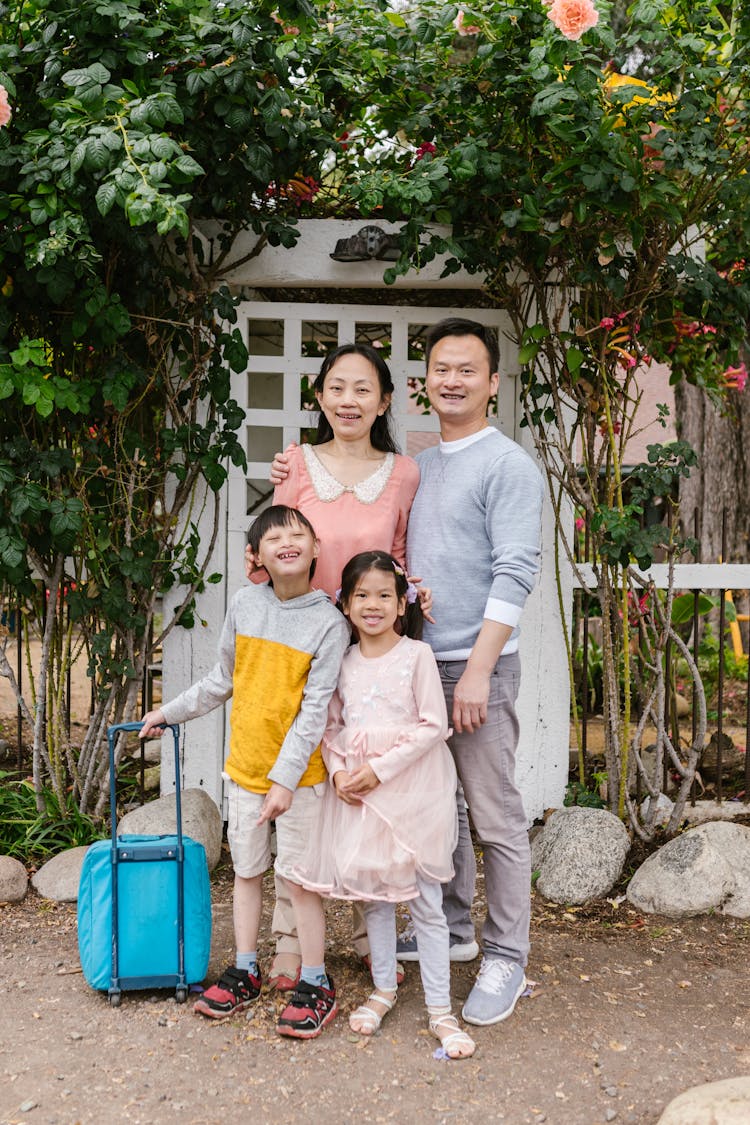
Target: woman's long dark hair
[[380, 433], [412, 619]]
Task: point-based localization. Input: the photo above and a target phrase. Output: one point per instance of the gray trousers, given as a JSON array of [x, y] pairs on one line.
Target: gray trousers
[[432, 940], [485, 761]]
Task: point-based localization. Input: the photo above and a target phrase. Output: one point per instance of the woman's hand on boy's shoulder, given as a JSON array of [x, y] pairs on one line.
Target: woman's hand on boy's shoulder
[[251, 565], [280, 465]]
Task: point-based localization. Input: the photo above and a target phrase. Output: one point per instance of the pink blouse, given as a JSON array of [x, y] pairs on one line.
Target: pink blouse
[[369, 516]]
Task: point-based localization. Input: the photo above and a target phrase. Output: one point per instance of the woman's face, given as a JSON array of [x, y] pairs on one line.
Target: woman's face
[[351, 398]]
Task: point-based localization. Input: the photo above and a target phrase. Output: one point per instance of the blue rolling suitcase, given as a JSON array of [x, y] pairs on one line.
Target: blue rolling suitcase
[[144, 904]]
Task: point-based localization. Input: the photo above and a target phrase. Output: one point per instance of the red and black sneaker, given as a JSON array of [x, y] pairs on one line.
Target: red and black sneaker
[[309, 1010], [236, 990]]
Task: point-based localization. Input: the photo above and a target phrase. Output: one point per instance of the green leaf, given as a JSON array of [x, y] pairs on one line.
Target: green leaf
[[98, 73], [188, 166], [105, 198], [683, 607], [76, 78], [97, 154], [163, 146], [574, 357]]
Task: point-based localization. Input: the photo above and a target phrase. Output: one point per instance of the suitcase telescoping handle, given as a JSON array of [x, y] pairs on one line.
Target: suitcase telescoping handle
[[178, 854], [112, 733]]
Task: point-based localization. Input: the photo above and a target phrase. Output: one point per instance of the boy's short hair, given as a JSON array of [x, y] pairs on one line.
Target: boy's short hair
[[278, 515], [460, 326]]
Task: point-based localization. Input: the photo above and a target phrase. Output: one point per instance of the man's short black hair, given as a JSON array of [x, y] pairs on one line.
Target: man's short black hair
[[278, 515], [460, 326]]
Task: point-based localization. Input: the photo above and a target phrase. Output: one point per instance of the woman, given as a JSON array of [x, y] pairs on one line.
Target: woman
[[352, 484]]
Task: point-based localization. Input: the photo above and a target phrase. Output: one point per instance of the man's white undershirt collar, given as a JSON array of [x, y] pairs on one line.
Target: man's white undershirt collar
[[462, 443]]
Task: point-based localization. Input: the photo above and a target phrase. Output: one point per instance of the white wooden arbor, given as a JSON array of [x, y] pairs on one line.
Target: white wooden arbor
[[286, 340]]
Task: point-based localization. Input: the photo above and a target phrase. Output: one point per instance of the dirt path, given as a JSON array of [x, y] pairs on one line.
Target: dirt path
[[626, 1013]]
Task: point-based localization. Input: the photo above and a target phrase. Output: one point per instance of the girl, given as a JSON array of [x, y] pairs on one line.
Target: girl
[[390, 814], [356, 489]]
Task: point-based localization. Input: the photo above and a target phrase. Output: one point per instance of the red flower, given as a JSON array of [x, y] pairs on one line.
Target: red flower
[[736, 377], [427, 148]]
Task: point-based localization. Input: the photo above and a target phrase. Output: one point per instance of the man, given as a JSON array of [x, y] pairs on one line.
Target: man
[[474, 536]]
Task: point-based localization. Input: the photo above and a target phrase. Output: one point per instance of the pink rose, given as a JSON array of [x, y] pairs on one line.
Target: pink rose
[[463, 28], [5, 111], [573, 17]]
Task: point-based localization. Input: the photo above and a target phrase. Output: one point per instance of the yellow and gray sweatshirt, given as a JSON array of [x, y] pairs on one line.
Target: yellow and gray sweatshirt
[[280, 661]]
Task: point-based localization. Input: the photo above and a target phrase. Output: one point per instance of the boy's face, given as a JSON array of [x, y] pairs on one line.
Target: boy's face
[[288, 551]]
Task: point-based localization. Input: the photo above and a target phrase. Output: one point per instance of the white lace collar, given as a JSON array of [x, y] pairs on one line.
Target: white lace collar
[[327, 488]]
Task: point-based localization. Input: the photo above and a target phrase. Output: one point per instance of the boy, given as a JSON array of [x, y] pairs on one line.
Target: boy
[[279, 656]]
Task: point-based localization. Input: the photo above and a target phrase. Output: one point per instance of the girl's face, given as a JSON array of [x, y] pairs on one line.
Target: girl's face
[[352, 398], [374, 605]]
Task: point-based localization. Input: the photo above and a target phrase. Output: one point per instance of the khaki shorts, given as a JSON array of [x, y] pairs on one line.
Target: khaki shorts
[[296, 830]]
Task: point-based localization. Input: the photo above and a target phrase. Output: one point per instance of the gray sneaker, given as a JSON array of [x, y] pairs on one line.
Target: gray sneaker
[[406, 947], [498, 985]]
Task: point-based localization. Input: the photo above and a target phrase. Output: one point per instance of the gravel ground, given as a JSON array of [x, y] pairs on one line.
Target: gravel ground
[[625, 1013]]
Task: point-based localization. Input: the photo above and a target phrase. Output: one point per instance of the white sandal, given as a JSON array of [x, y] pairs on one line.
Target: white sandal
[[457, 1038], [371, 1021]]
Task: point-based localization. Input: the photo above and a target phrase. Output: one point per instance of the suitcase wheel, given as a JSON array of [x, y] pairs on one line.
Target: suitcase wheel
[[114, 999], [181, 994]]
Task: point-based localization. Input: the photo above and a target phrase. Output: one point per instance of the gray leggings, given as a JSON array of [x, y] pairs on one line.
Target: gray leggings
[[432, 940]]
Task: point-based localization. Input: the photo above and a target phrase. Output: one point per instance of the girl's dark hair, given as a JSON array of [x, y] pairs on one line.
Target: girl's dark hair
[[413, 619], [380, 433], [278, 515]]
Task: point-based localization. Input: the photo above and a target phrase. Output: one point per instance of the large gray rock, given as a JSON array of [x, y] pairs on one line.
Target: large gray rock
[[580, 854], [715, 1103], [706, 868], [201, 820], [58, 878], [14, 880]]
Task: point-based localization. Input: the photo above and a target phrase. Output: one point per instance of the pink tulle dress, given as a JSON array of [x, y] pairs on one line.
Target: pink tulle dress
[[388, 711]]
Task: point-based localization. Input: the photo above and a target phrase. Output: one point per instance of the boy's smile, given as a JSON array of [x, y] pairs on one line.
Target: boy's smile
[[287, 554]]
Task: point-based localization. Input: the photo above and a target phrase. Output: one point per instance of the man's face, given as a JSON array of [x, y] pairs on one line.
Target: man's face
[[459, 381]]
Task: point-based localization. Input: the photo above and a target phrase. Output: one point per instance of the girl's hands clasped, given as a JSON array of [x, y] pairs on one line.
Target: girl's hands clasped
[[352, 787]]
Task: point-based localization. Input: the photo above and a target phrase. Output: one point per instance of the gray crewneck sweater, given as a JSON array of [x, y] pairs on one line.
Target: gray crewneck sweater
[[474, 537]]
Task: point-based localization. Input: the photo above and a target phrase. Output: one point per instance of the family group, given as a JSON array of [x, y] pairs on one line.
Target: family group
[[373, 666]]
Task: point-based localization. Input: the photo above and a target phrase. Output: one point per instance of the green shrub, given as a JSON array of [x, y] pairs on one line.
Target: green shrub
[[27, 833]]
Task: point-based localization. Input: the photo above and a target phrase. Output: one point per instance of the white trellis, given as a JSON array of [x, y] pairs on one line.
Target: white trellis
[[286, 341]]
